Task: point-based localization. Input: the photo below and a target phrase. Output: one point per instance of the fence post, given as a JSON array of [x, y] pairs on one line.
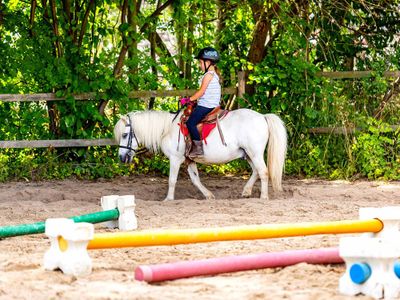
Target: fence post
[[241, 84]]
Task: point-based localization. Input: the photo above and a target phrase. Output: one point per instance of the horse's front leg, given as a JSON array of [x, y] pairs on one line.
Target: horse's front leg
[[174, 166], [194, 176]]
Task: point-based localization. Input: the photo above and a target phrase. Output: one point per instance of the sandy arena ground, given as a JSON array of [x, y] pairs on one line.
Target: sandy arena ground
[[22, 276]]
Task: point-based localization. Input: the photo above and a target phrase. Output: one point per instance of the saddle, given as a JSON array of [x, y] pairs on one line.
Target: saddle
[[205, 126]]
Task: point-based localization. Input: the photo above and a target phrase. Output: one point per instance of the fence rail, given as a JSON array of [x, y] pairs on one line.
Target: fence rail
[[341, 130], [57, 143], [239, 91], [356, 74], [88, 96]]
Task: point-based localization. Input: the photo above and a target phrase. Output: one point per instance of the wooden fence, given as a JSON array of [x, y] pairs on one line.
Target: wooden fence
[[234, 90], [341, 130], [91, 142], [356, 74], [86, 96]]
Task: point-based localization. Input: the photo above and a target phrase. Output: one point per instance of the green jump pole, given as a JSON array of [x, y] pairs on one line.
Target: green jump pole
[[39, 227]]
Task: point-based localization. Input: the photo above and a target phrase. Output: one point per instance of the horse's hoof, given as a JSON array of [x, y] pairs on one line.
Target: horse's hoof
[[210, 197], [167, 199], [246, 194]]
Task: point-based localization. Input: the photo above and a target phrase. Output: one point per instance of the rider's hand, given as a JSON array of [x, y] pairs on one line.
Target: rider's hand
[[184, 101]]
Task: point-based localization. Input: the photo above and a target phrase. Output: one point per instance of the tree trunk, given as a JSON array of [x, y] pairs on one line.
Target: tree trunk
[[117, 72], [177, 16], [263, 16], [124, 49], [133, 12], [256, 52], [31, 18], [387, 98], [153, 67], [132, 17], [55, 28], [1, 13], [224, 8], [152, 41], [85, 22], [52, 109], [67, 12], [189, 52], [162, 49]]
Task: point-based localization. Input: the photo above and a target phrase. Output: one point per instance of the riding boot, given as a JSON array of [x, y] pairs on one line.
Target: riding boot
[[197, 149]]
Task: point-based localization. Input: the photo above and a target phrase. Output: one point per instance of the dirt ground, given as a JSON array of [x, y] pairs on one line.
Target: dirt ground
[[22, 275]]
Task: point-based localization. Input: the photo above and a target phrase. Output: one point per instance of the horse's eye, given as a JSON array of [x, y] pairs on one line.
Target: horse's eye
[[124, 135]]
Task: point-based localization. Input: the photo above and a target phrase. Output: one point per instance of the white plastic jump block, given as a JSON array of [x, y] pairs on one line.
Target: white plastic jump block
[[372, 260], [126, 206], [68, 246], [390, 216]]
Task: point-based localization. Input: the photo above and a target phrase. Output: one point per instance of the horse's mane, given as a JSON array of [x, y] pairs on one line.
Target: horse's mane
[[149, 127]]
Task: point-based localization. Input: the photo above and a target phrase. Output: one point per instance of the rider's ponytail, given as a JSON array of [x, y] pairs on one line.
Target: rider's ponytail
[[218, 71]]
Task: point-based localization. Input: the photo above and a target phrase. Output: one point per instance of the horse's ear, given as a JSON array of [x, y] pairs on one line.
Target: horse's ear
[[124, 119]]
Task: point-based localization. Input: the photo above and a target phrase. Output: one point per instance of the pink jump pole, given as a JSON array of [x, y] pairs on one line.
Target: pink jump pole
[[170, 271]]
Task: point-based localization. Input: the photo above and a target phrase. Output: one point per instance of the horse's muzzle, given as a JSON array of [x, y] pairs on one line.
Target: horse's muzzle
[[125, 158]]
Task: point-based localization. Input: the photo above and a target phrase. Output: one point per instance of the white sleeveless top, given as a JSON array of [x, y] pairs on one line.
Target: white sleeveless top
[[212, 95]]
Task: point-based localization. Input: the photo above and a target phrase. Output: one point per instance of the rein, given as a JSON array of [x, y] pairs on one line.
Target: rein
[[140, 149]]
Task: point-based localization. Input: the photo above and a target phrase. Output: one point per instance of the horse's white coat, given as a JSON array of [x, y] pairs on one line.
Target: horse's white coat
[[246, 134]]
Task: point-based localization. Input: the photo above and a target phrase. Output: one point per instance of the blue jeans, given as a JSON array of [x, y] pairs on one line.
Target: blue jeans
[[197, 115]]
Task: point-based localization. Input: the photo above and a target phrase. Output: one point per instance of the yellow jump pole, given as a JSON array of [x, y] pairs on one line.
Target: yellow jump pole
[[202, 235]]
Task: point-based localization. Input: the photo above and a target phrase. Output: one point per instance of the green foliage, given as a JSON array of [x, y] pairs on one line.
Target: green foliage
[[377, 151], [48, 164], [83, 56], [321, 156], [238, 166]]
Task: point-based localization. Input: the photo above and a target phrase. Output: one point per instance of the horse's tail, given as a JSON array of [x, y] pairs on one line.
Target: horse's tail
[[277, 146]]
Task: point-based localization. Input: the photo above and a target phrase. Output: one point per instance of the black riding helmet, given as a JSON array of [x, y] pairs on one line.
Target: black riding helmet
[[208, 53]]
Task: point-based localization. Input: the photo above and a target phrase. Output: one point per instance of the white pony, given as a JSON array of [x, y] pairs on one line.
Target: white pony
[[246, 134]]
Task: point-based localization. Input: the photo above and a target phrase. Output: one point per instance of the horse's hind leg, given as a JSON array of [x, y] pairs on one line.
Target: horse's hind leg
[[250, 183], [194, 176], [260, 166]]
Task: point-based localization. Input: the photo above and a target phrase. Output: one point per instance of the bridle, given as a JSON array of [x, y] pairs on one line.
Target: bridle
[[141, 149]]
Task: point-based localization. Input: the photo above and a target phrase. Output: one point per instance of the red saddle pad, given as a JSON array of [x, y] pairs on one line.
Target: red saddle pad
[[206, 130]]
